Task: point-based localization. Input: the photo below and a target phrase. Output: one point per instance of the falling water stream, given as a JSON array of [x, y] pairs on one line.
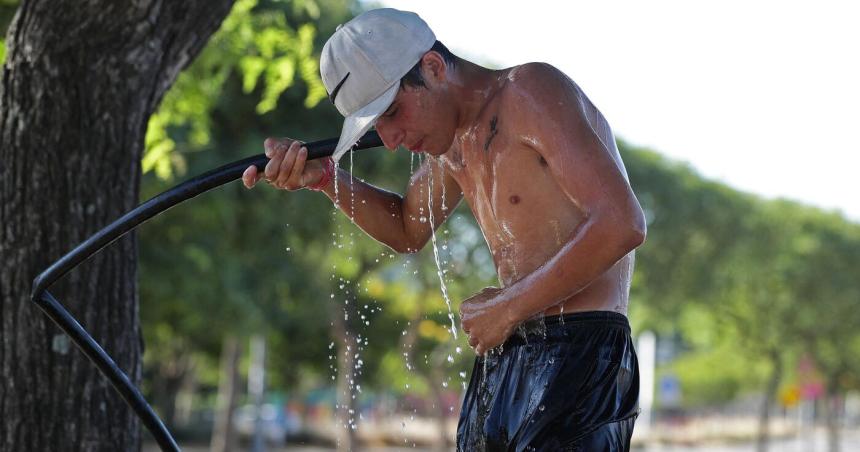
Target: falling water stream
[[439, 272], [360, 341]]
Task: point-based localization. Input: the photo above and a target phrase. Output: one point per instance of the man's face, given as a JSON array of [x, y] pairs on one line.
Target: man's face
[[421, 119]]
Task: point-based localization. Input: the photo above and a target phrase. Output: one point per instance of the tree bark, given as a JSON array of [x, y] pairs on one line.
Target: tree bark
[[77, 89], [224, 435]]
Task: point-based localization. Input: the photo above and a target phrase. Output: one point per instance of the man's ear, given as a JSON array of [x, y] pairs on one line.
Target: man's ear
[[434, 67]]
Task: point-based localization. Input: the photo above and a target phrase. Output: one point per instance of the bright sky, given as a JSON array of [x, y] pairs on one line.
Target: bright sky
[[762, 95]]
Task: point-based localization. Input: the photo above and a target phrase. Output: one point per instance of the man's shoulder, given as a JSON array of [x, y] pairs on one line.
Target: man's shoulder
[[536, 75], [535, 82]]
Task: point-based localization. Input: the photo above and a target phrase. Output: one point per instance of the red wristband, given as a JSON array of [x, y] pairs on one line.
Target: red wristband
[[328, 174]]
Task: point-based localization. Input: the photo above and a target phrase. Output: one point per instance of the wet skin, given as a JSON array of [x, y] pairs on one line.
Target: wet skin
[[537, 165]]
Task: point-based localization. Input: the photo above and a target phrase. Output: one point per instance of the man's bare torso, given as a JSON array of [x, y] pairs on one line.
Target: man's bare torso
[[525, 216]]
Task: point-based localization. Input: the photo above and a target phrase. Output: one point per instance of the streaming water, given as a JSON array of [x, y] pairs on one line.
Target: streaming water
[[354, 340], [442, 284], [351, 191]]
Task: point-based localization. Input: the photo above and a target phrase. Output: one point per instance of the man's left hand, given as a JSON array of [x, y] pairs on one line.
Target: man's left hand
[[485, 319]]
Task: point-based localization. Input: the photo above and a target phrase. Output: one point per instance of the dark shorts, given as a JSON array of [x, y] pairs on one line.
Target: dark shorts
[[571, 385]]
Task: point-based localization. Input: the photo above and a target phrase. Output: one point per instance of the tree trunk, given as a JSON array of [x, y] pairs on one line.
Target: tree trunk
[[170, 377], [769, 395], [833, 401], [223, 434], [79, 84]]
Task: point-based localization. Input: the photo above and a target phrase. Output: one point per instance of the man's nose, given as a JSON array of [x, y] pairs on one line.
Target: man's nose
[[391, 136]]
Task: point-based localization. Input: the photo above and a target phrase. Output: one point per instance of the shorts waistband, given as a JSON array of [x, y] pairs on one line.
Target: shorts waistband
[[585, 317], [567, 326]]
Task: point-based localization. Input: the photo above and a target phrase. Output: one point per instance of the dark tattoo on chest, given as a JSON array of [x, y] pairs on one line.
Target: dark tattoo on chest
[[457, 158], [493, 132]]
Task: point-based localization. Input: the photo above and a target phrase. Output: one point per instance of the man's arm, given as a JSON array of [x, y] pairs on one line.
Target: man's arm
[[400, 222], [586, 171]]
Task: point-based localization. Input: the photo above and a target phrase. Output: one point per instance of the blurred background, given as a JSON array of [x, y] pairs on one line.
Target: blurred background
[[270, 322]]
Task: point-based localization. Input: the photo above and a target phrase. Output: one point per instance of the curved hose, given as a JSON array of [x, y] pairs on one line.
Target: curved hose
[[107, 235]]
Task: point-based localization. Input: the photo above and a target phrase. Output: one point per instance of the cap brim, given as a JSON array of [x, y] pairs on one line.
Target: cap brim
[[358, 123]]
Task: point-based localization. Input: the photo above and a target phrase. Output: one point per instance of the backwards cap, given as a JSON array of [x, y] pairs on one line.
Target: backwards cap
[[362, 64]]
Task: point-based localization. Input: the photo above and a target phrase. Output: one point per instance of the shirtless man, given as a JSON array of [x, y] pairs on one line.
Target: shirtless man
[[538, 165]]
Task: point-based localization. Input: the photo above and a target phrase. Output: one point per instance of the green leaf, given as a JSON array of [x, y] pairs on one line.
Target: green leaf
[[279, 77], [252, 67]]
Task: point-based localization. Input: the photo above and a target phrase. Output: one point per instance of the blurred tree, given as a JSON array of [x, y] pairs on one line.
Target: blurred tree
[[749, 283], [237, 274], [256, 41], [79, 82], [249, 261]]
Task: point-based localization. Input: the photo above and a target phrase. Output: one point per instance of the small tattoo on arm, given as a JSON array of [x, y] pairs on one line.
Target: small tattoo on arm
[[493, 132]]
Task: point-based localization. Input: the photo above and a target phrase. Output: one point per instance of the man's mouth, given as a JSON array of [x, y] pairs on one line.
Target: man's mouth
[[417, 146]]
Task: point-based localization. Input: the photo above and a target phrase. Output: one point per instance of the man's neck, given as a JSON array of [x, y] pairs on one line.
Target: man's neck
[[472, 88]]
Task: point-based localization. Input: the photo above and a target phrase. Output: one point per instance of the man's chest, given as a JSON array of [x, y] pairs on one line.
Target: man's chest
[[510, 187]]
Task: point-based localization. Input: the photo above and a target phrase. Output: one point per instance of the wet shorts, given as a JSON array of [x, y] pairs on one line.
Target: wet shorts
[[569, 383]]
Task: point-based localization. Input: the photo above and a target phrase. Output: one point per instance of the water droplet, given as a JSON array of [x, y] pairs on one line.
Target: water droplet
[[450, 359]]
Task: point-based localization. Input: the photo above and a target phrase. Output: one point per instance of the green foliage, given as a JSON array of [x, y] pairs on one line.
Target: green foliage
[[763, 282], [713, 376], [2, 51], [254, 43]]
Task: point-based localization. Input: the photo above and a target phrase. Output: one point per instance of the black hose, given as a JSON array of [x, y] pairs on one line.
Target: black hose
[[107, 235]]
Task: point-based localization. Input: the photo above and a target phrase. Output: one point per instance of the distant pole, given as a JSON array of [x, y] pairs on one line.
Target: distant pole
[[647, 353], [256, 388]]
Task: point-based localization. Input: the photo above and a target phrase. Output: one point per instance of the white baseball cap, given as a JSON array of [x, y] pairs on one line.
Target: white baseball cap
[[362, 64]]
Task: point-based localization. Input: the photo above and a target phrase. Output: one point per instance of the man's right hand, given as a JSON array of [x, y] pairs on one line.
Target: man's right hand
[[288, 168]]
